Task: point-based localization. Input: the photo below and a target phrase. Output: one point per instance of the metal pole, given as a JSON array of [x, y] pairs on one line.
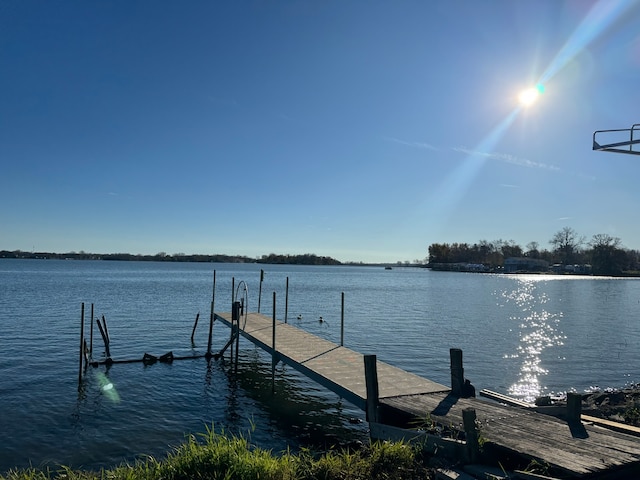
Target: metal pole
[[260, 289], [211, 316], [91, 335], [273, 346], [233, 283], [342, 322], [81, 342], [286, 302]]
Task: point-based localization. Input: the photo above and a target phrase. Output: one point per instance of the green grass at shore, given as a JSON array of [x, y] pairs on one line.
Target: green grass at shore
[[217, 456]]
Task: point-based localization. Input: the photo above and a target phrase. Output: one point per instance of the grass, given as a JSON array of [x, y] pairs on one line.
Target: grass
[[216, 456]]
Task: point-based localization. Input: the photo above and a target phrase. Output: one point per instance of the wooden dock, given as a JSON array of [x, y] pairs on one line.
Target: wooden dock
[[337, 368], [576, 449]]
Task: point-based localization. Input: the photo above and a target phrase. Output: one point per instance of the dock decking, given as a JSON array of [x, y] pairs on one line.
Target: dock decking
[[337, 368], [578, 450]]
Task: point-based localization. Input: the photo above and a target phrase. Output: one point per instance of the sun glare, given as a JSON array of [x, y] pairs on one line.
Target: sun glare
[[529, 96]]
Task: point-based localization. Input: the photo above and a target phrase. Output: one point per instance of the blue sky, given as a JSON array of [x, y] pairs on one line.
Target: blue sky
[[365, 131]]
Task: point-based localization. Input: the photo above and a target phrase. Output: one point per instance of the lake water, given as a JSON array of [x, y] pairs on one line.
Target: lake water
[[521, 335]]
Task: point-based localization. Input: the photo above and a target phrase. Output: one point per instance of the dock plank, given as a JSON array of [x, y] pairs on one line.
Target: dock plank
[[581, 450], [338, 368]]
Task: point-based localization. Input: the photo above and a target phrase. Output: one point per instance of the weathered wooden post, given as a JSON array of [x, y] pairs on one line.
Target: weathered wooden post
[[457, 371], [342, 322], [574, 407], [286, 301], [471, 434], [273, 346], [211, 316], [371, 381], [81, 343]]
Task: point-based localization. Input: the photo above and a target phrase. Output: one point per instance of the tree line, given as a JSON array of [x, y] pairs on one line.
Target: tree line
[[604, 253], [305, 259]]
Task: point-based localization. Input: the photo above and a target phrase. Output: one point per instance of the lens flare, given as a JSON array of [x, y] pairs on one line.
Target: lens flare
[[107, 388]]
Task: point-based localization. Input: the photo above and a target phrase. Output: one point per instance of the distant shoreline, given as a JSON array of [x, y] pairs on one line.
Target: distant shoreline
[[271, 259]]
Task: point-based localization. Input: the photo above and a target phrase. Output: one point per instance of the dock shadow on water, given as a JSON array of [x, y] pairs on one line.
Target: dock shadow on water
[[305, 413], [537, 328]]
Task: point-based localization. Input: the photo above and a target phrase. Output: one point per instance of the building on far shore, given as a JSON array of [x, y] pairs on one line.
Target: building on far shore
[[525, 264]]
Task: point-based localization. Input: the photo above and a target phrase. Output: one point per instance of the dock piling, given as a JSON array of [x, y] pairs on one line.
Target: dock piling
[[81, 343], [213, 299], [373, 393], [574, 407], [342, 322], [260, 288], [286, 301], [471, 433], [273, 346], [457, 371], [233, 298], [91, 334]]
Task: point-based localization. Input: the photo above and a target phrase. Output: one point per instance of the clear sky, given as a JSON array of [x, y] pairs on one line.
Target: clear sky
[[361, 130]]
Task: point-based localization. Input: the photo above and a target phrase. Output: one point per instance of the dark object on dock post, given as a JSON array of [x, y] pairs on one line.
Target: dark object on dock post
[[342, 322], [457, 371], [81, 343], [193, 332], [574, 407], [468, 390], [471, 434], [371, 381], [213, 299]]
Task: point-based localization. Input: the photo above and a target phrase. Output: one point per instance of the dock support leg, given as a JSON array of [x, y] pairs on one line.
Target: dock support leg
[[342, 321], [273, 346], [471, 433], [81, 343], [286, 302], [211, 317], [457, 371], [91, 334], [371, 380]]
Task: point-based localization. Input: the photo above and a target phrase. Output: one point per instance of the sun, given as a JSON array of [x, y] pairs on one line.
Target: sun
[[529, 96]]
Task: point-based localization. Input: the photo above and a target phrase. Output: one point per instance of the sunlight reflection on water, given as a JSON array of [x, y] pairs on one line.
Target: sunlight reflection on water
[[538, 328]]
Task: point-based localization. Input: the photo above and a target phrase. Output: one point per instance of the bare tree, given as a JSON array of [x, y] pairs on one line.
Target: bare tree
[[566, 244]]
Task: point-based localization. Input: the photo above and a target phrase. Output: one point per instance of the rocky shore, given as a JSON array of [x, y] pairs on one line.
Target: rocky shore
[[617, 405]]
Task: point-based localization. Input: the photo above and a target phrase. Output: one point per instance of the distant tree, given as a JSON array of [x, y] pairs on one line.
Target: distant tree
[[439, 253], [566, 244], [607, 255], [533, 250], [510, 249]]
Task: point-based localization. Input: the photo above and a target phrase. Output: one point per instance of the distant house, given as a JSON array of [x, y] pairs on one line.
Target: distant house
[[525, 264]]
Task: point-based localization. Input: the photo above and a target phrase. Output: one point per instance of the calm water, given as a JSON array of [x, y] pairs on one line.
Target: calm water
[[521, 335]]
